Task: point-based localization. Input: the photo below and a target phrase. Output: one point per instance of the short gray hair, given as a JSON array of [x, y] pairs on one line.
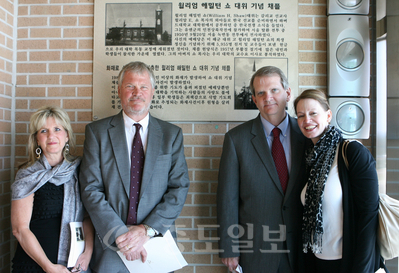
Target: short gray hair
[[136, 67]]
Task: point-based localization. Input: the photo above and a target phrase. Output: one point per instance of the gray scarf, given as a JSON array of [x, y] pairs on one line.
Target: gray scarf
[[29, 180]]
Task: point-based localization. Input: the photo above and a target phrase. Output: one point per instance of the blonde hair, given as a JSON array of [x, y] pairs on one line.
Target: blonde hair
[[38, 120], [314, 94]]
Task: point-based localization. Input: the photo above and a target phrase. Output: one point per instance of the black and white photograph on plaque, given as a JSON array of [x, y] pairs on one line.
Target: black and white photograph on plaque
[[138, 24], [244, 68], [79, 234]]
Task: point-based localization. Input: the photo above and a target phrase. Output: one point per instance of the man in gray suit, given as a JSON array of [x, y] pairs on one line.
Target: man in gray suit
[[105, 174], [258, 218]]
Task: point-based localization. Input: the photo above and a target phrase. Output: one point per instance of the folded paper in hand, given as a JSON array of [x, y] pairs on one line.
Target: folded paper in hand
[[239, 269], [77, 243], [163, 255]]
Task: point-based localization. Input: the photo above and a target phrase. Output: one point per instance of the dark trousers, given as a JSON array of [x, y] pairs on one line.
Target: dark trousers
[[284, 266], [316, 265]]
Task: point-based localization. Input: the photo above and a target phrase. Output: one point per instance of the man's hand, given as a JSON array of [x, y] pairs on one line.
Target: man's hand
[[131, 243], [231, 263]]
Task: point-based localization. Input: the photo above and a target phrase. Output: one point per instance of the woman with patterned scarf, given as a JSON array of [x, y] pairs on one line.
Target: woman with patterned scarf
[[46, 198], [340, 216]]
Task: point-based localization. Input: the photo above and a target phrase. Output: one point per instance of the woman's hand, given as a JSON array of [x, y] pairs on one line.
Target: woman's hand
[[82, 264], [56, 268]]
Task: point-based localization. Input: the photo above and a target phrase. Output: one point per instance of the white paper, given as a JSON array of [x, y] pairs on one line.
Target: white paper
[[77, 243], [239, 269], [163, 255]]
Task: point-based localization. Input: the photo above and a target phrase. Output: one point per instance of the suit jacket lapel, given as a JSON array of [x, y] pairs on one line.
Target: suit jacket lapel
[[119, 147], [154, 141], [262, 148]]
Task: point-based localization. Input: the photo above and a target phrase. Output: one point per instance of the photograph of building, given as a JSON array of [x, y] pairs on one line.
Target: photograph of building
[[138, 24]]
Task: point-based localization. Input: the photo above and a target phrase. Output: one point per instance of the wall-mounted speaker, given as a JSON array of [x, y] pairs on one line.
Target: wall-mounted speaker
[[351, 116], [348, 56], [360, 7]]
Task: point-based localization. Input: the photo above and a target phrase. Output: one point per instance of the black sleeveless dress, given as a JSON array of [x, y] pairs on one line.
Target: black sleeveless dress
[[45, 224]]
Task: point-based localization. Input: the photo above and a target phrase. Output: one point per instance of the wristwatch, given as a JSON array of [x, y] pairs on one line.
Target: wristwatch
[[150, 231]]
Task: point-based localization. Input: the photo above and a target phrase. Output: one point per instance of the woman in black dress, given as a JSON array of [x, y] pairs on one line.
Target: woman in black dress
[[340, 216], [46, 198]]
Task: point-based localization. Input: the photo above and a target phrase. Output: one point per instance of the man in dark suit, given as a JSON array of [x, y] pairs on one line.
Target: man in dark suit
[[105, 174], [258, 217]]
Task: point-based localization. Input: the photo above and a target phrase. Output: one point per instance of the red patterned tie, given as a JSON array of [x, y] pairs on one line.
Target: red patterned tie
[[279, 158], [136, 172]]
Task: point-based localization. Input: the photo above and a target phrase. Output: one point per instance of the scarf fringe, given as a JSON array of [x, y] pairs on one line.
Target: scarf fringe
[[316, 245]]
